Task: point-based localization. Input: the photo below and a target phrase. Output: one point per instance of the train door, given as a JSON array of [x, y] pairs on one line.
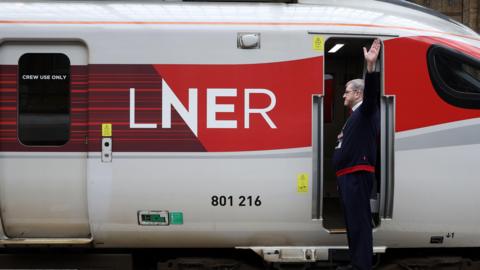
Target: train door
[[43, 150], [344, 61]]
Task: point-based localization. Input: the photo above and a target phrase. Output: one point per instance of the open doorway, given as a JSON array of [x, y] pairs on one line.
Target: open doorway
[[341, 66]]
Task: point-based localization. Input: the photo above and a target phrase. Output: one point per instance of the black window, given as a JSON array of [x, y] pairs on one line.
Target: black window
[[455, 76], [43, 99]]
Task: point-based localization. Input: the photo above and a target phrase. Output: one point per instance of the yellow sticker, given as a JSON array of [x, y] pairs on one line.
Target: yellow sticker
[[106, 130], [317, 43], [302, 182]]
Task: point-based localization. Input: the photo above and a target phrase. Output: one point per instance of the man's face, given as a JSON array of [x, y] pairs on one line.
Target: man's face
[[351, 96]]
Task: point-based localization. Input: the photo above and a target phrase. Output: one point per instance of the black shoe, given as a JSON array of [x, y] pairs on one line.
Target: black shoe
[[345, 267]]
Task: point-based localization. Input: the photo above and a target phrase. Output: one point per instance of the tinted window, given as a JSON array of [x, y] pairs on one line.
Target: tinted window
[[43, 99], [455, 76]]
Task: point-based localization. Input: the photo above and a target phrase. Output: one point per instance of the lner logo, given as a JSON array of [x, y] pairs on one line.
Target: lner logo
[[189, 113]]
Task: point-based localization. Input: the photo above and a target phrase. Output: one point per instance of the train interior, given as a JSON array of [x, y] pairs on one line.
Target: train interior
[[345, 64]]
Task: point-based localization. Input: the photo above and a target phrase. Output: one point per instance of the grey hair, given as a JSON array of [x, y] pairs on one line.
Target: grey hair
[[357, 84]]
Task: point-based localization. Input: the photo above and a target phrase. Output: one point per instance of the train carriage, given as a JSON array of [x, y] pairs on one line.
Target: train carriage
[[188, 124]]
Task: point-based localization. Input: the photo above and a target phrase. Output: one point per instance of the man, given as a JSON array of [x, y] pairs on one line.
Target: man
[[355, 158]]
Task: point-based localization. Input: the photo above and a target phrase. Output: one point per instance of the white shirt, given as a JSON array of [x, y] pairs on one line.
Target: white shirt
[[356, 106]]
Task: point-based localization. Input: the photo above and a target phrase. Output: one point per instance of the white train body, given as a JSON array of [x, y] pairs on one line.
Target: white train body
[[224, 142]]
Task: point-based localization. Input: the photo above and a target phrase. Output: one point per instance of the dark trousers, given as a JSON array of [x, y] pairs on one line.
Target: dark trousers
[[355, 189]]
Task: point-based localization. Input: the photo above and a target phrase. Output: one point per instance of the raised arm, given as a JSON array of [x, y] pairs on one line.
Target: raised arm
[[372, 79]]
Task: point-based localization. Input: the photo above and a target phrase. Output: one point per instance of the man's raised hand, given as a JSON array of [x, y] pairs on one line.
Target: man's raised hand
[[372, 55]]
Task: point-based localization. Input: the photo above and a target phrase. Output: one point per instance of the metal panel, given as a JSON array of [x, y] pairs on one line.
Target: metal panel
[[301, 253], [107, 150], [387, 156], [317, 143]]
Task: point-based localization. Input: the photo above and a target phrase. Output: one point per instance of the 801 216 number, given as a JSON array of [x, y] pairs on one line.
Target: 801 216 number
[[241, 201]]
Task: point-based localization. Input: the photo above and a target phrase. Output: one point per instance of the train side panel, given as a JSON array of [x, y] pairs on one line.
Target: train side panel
[[435, 144]]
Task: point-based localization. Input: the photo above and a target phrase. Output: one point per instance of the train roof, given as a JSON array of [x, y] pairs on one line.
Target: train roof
[[384, 17], [414, 6]]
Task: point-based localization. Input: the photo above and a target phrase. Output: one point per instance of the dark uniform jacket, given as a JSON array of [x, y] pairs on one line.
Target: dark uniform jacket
[[357, 149]]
